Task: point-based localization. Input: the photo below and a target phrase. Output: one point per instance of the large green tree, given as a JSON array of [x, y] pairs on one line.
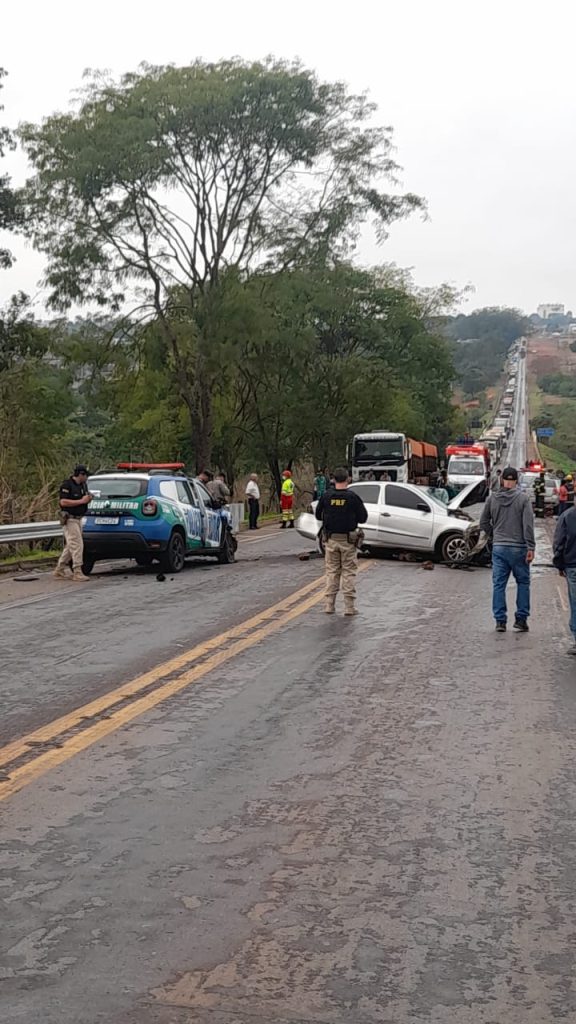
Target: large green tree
[[157, 184], [320, 354]]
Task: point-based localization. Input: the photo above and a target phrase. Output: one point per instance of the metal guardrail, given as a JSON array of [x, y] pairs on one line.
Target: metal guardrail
[[15, 533]]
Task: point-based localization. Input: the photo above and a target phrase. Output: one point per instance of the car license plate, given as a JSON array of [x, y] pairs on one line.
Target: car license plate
[[108, 520]]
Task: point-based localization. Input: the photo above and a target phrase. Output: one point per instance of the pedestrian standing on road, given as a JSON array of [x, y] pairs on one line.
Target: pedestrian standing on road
[[508, 520], [204, 476], [252, 495], [497, 481], [569, 481], [219, 490], [287, 500], [565, 561], [320, 484], [341, 512], [74, 498], [562, 498]]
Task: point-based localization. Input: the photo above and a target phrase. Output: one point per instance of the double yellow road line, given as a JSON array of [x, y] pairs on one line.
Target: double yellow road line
[[30, 757]]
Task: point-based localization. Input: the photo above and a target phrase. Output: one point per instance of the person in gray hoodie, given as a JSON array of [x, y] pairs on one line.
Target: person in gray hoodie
[[509, 520]]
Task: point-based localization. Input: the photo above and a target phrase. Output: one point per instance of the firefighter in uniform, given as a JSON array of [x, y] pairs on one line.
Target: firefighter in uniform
[[540, 495], [74, 497], [341, 511], [287, 500]]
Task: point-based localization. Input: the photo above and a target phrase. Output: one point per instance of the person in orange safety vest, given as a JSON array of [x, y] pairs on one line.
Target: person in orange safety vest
[[287, 500]]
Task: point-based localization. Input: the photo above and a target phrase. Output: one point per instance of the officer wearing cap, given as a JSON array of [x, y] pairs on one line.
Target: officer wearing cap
[[341, 512], [74, 498]]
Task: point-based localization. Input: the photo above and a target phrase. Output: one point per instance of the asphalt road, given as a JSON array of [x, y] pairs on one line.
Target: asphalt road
[[220, 806], [520, 448]]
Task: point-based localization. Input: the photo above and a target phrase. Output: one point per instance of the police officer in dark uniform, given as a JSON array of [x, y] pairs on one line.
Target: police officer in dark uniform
[[341, 511], [74, 499], [540, 496]]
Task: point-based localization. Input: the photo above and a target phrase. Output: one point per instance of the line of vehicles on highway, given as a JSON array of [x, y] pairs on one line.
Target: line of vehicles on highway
[[409, 507]]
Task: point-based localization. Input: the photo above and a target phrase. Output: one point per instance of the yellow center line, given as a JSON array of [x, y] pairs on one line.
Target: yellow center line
[[66, 722], [22, 776]]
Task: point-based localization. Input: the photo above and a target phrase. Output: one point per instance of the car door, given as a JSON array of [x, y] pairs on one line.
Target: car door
[[406, 518], [371, 495], [211, 519], [190, 506]]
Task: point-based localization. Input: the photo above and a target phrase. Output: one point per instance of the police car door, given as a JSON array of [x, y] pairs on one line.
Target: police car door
[[190, 507], [212, 522]]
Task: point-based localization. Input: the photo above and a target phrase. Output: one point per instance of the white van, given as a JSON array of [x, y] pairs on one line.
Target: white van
[[465, 469]]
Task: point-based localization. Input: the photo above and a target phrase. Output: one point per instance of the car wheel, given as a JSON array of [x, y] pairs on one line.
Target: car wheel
[[174, 557], [88, 564], [143, 560], [227, 552], [454, 548]]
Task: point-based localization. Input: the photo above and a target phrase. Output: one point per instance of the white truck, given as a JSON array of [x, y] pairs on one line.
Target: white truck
[[387, 455], [493, 439]]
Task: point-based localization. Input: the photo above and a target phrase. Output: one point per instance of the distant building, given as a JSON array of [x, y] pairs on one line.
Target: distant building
[[549, 309]]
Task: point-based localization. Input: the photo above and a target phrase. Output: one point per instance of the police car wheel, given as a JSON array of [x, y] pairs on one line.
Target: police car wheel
[[174, 558], [226, 554], [87, 565]]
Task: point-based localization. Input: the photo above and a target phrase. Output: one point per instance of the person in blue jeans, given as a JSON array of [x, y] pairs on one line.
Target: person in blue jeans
[[565, 560], [508, 520]]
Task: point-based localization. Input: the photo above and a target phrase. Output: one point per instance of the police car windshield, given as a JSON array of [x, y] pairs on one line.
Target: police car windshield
[[117, 487]]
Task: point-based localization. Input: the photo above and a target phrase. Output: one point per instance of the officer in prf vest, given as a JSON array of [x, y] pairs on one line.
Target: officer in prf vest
[[341, 511]]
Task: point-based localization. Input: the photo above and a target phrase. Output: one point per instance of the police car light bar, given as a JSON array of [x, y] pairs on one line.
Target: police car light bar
[[150, 465]]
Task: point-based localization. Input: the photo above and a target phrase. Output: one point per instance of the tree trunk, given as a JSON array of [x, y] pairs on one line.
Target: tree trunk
[[203, 426], [274, 467]]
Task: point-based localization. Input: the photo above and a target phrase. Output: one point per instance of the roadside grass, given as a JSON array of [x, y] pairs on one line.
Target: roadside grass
[[29, 556], [555, 459]]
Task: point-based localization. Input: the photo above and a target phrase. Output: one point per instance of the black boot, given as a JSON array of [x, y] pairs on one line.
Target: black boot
[[282, 526], [291, 524]]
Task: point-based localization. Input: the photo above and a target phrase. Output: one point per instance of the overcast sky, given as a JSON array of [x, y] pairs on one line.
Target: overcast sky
[[481, 96]]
